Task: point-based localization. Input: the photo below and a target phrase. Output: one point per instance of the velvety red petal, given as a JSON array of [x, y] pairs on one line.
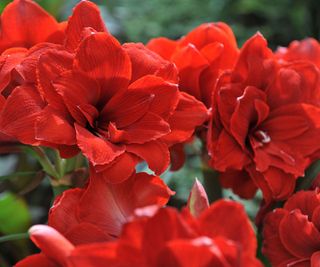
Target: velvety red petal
[[272, 244], [255, 65], [202, 252], [51, 126], [125, 108], [98, 150], [62, 215], [189, 114], [163, 47], [210, 33], [298, 235], [76, 89], [306, 201], [115, 203], [190, 64], [229, 219], [228, 154], [244, 114], [39, 260], [166, 225], [17, 29], [177, 156], [240, 182], [155, 153], [97, 255], [51, 242], [50, 65], [150, 127], [85, 14], [102, 58], [19, 114], [145, 62]]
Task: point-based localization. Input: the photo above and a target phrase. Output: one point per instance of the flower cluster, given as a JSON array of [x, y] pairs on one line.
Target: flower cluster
[[73, 88]]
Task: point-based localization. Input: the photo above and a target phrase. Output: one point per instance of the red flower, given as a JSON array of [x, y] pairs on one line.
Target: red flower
[[73, 214], [307, 49], [221, 235], [200, 56], [292, 233], [28, 31], [118, 105], [265, 122], [25, 24]]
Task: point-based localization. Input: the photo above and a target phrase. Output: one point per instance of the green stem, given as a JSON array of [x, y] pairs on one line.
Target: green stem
[[60, 164], [13, 237], [305, 182], [43, 159], [211, 183]]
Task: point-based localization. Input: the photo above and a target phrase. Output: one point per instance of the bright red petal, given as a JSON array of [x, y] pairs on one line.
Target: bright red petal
[[24, 23], [298, 235], [85, 14], [19, 114], [103, 59], [155, 153], [98, 150]]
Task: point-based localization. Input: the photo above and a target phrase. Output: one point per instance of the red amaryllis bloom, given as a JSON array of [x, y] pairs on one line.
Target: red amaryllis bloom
[[307, 49], [292, 233], [219, 235], [265, 122], [115, 107], [27, 31], [73, 215], [200, 56]]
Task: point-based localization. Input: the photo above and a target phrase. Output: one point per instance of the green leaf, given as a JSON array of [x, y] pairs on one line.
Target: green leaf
[[14, 214]]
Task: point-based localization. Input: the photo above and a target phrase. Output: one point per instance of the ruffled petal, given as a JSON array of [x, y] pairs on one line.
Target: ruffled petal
[[85, 14], [101, 57]]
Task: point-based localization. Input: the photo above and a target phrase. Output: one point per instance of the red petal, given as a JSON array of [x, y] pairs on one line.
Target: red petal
[[160, 229], [202, 252], [150, 127], [240, 182], [306, 201], [20, 113], [177, 156], [39, 260], [298, 235], [125, 108], [272, 244], [25, 23], [52, 126], [163, 46], [155, 153], [189, 114], [102, 58], [228, 154], [228, 219], [245, 114], [115, 203], [255, 66], [76, 89], [51, 242], [85, 14], [62, 215], [145, 62], [50, 65], [98, 150], [118, 170], [190, 64]]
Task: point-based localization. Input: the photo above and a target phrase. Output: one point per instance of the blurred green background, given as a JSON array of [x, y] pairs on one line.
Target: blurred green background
[[25, 193]]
